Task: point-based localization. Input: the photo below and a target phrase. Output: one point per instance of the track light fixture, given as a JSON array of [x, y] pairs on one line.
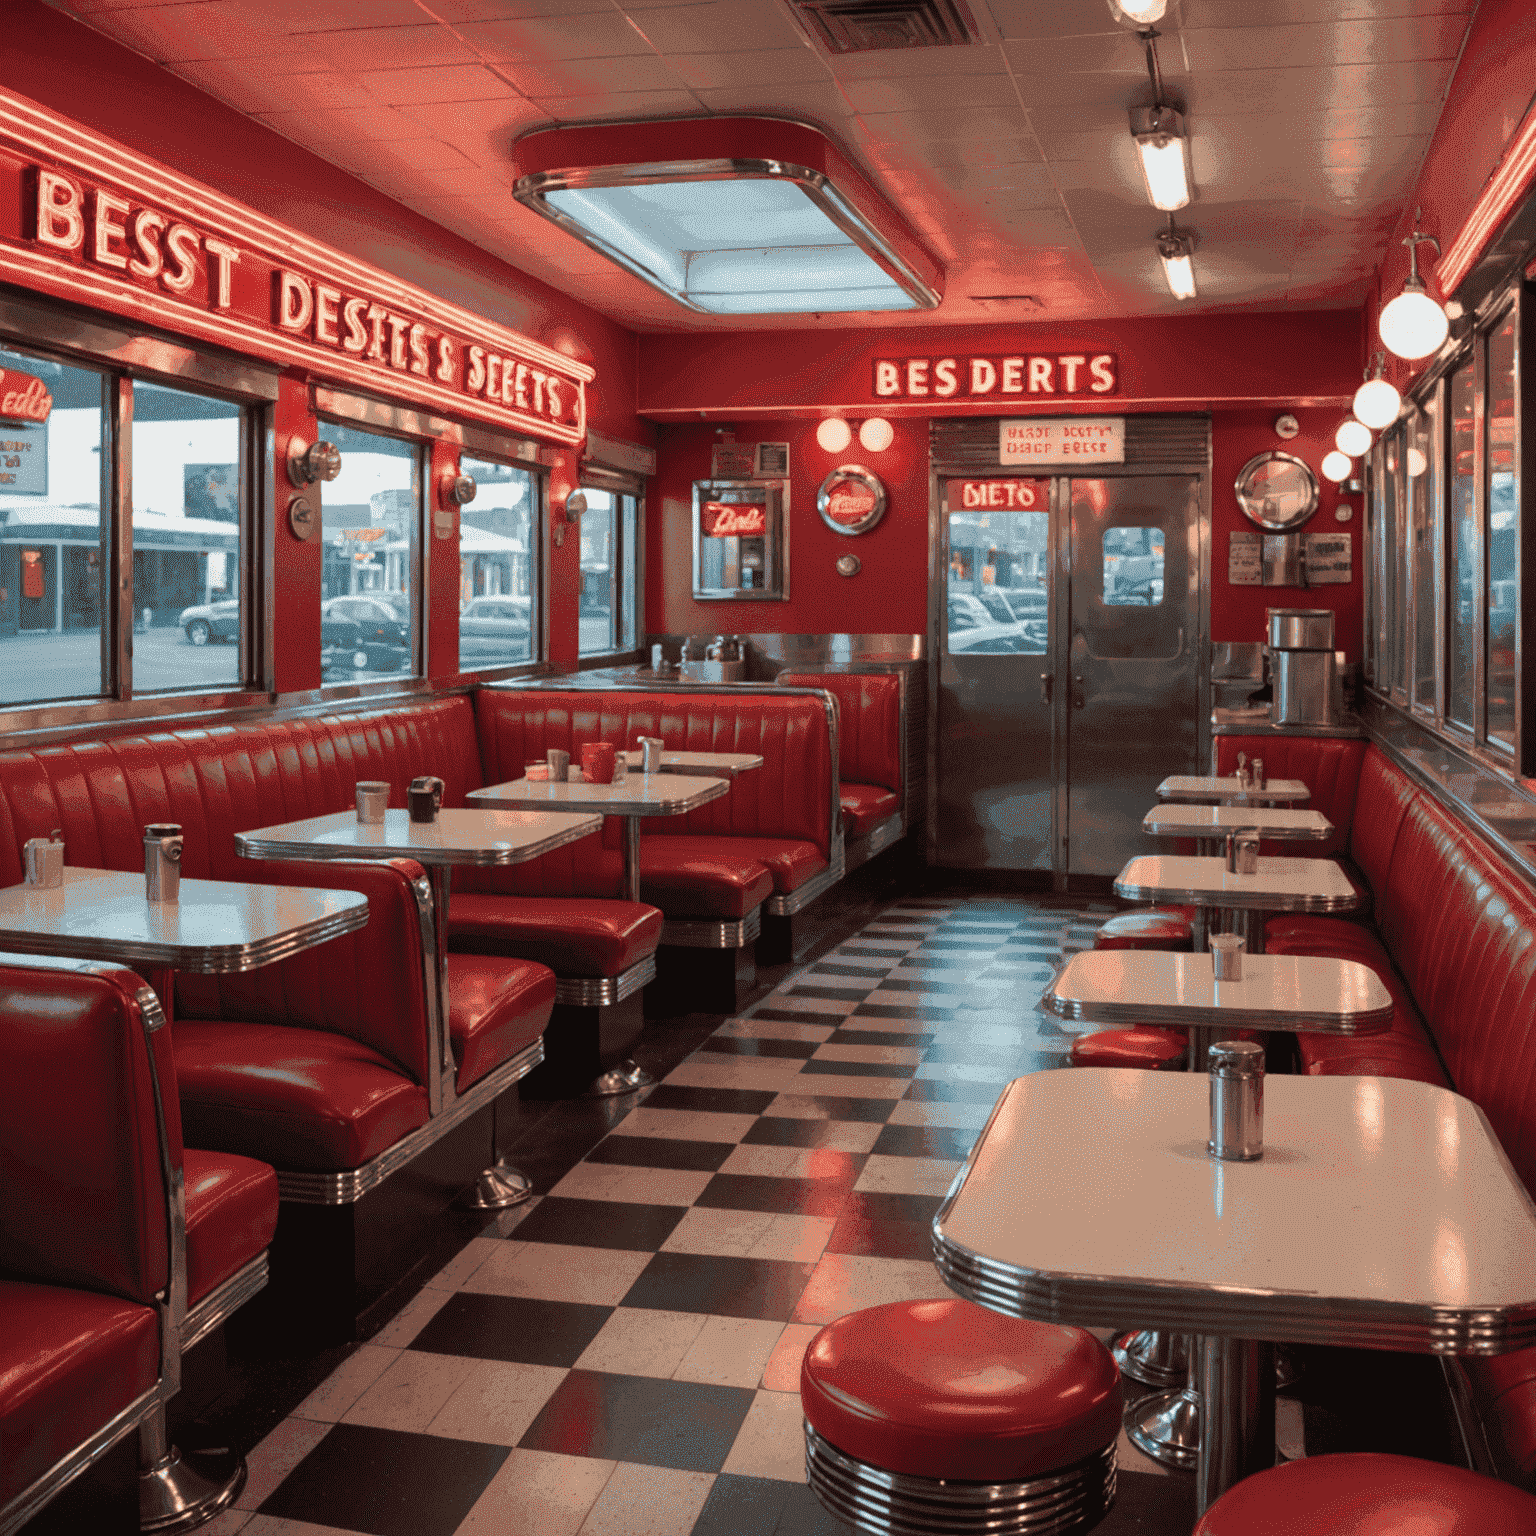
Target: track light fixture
[[1413, 325], [1377, 402], [1160, 142], [1176, 249], [1137, 13]]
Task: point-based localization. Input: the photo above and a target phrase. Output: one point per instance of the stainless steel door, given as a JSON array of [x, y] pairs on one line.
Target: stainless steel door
[[1133, 661], [993, 716]]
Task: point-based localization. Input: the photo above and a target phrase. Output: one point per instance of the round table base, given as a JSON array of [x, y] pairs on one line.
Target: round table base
[[499, 1186], [178, 1491], [1153, 1357], [624, 1078], [1166, 1427]]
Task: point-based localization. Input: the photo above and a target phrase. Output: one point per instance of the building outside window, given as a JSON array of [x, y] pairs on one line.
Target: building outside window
[[499, 567], [609, 562]]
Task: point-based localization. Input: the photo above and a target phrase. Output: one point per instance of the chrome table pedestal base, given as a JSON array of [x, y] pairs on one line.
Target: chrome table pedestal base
[[1153, 1357], [624, 1078], [1166, 1427], [177, 1491], [498, 1187]]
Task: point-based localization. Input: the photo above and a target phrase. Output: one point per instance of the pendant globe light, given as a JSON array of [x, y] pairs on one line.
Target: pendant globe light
[[1336, 466], [1353, 437], [1377, 402], [1413, 325]]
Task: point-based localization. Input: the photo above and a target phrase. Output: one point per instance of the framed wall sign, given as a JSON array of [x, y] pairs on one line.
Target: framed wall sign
[[740, 541], [851, 499]]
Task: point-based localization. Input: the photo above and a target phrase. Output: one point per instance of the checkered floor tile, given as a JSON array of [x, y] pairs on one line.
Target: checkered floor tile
[[622, 1355]]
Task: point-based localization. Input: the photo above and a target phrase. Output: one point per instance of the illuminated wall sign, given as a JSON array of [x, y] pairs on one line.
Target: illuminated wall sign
[[83, 219], [1065, 440], [25, 405], [999, 495], [974, 378], [726, 520]]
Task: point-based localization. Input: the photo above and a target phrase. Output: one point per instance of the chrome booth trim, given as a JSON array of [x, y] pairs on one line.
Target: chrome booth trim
[[605, 991], [802, 896], [351, 1184], [870, 1498], [223, 1301], [879, 837], [706, 933], [1234, 901]]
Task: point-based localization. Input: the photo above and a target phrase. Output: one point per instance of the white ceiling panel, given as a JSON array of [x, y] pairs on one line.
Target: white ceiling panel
[[1011, 160]]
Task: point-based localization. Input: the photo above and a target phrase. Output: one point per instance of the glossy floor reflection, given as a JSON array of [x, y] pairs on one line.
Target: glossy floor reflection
[[622, 1354]]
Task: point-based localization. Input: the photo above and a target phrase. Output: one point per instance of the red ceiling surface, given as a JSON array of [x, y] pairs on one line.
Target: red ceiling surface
[[1011, 158]]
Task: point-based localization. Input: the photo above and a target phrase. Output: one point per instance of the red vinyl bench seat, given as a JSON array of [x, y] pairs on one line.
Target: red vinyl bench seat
[[865, 806], [702, 877], [231, 1216], [574, 936], [497, 1009]]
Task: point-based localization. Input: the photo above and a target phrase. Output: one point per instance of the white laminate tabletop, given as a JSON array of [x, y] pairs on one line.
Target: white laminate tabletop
[[636, 794], [215, 926], [1279, 823], [1383, 1214], [1181, 786], [704, 763], [1295, 992], [1280, 885], [487, 835]]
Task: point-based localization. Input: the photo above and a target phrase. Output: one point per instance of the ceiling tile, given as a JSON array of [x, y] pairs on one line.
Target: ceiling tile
[[424, 87], [619, 106], [822, 105], [477, 124], [1244, 13], [388, 47], [1347, 42], [1021, 151], [919, 94], [1050, 18], [718, 26], [423, 155], [342, 126], [771, 66], [1350, 86], [587, 35], [590, 76], [1115, 52], [511, 10], [213, 29], [899, 63], [1091, 94], [298, 16], [269, 85], [960, 123], [1029, 186]]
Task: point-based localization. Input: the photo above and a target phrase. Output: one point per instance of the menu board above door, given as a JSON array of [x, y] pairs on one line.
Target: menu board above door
[[1066, 440]]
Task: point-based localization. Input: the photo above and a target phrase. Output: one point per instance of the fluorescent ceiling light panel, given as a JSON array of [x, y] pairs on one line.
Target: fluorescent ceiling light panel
[[731, 234], [1160, 141]]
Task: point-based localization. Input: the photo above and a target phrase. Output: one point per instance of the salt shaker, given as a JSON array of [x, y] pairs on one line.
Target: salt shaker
[[1237, 1101], [1257, 772], [45, 860], [1245, 853], [1227, 956], [162, 861]]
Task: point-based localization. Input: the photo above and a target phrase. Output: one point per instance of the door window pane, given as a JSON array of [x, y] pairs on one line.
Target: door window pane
[[1461, 547], [186, 540], [52, 544], [599, 541], [1421, 473], [497, 557], [995, 598], [1133, 567], [1503, 535], [371, 517], [1395, 555], [629, 542]]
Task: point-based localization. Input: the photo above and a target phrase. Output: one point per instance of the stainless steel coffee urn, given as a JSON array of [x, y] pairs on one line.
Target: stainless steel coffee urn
[[1301, 664]]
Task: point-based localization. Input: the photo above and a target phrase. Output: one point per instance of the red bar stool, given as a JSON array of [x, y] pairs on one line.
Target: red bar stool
[[943, 1416], [1364, 1494], [1167, 928], [1142, 1045]]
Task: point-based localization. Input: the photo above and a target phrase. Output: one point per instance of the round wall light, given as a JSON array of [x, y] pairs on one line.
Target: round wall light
[[1336, 466], [1353, 437], [834, 434], [876, 435]]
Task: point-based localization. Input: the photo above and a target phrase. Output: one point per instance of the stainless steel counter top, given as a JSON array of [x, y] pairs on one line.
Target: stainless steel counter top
[[1255, 721]]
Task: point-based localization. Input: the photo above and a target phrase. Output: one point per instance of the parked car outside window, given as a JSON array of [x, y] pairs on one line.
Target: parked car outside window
[[366, 633], [212, 622]]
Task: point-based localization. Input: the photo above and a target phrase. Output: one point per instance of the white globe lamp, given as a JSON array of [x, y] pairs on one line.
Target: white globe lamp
[[1413, 325], [876, 435], [1336, 466], [1377, 403], [834, 434], [1353, 437]]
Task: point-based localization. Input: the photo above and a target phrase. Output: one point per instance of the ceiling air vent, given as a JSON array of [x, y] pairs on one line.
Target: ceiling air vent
[[868, 26]]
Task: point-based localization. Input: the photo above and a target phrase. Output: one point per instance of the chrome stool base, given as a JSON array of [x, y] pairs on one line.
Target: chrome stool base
[[179, 1492], [1166, 1427], [1152, 1357], [497, 1187], [624, 1078], [868, 1498]]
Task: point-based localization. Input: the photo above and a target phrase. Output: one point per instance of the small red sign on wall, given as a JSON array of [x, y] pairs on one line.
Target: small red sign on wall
[[849, 502], [999, 495], [730, 520]]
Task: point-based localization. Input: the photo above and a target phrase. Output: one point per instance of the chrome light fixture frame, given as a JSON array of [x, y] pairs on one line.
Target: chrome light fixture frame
[[533, 191], [1159, 125]]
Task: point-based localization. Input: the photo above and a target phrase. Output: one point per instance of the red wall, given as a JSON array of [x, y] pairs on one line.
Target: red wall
[[888, 596], [1237, 613]]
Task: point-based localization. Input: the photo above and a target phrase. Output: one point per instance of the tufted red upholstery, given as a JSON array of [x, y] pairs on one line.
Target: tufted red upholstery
[[869, 761], [83, 1203], [1158, 928], [297, 1098], [1142, 1045], [1385, 793], [231, 1216], [865, 806], [70, 1362], [1508, 1385], [573, 937], [701, 877], [497, 1007], [788, 799], [1364, 1494], [949, 1389], [1328, 766]]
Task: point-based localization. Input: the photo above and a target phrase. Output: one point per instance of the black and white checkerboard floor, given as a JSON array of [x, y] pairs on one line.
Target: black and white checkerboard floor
[[621, 1356]]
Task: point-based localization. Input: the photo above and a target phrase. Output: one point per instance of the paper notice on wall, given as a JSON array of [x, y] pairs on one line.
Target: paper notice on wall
[[1245, 563], [1329, 559], [1075, 440], [732, 461]]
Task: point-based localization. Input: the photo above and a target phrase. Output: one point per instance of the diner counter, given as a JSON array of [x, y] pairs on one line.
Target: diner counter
[[1253, 720]]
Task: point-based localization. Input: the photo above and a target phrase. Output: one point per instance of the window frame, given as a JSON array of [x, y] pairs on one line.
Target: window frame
[[538, 563], [120, 355], [626, 569]]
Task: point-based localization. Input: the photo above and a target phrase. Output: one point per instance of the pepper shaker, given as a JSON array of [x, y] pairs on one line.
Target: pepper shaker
[[1237, 1101]]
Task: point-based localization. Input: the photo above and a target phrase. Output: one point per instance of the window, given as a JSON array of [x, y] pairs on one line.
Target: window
[[1503, 578], [1423, 481], [610, 531], [1133, 567], [995, 603], [499, 566], [371, 526], [186, 540], [1462, 549], [53, 537]]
